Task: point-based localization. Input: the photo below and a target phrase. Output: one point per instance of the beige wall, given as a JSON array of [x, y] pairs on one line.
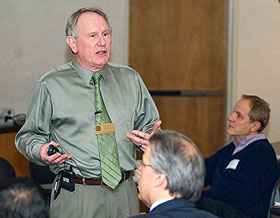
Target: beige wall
[[32, 42], [256, 55]]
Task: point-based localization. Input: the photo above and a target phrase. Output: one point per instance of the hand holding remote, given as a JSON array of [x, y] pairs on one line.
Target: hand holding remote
[[52, 150], [50, 154]]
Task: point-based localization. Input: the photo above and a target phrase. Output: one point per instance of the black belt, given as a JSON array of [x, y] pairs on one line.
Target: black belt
[[98, 181]]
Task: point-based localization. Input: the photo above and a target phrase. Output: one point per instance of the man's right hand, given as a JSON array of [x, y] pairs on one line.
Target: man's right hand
[[56, 158]]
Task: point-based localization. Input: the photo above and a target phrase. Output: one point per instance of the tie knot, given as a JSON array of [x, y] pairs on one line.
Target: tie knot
[[96, 77]]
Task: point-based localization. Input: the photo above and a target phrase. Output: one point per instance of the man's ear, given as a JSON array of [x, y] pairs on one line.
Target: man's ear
[[256, 126], [160, 180], [71, 41]]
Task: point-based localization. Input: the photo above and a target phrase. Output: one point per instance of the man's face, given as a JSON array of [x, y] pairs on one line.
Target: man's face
[[92, 46], [145, 184], [240, 125]]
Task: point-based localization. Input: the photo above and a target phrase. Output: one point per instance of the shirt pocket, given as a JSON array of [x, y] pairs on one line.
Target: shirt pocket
[[124, 122], [125, 125]]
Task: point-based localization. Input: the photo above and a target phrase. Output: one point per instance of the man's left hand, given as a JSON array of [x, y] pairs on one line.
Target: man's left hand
[[141, 139]]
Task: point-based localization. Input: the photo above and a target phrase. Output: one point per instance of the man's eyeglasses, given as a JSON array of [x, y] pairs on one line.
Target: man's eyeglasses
[[146, 165]]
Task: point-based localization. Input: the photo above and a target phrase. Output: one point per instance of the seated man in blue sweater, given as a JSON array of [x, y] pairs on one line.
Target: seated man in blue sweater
[[242, 174]]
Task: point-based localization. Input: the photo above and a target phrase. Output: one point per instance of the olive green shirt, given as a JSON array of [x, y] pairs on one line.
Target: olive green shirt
[[62, 110]]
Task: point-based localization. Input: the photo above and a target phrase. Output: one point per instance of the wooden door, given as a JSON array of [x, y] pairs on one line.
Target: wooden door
[[179, 47], [9, 152]]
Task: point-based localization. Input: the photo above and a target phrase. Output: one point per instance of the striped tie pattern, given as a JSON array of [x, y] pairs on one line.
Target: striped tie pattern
[[108, 150]]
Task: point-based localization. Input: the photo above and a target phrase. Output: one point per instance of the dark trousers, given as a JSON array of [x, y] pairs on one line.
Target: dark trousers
[[220, 209]]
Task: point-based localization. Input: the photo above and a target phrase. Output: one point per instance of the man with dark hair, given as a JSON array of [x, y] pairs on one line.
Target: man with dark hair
[[7, 172], [171, 177], [23, 198], [242, 174], [86, 107]]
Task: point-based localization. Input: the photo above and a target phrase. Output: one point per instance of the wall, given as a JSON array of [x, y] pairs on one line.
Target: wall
[[256, 55], [32, 42]]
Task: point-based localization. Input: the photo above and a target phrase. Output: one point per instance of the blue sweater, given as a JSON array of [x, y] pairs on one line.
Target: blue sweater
[[247, 184]]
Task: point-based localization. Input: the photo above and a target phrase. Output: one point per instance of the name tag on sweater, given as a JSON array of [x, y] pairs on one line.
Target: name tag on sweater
[[233, 164]]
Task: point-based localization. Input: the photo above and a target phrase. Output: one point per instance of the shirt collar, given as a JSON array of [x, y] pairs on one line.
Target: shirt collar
[[250, 139], [86, 75], [156, 203]]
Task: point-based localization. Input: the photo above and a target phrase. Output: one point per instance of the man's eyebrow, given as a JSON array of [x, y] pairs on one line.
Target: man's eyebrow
[[94, 32], [239, 113], [107, 30]]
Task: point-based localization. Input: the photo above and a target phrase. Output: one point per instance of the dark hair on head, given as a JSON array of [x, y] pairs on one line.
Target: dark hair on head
[[259, 111], [23, 198], [7, 172]]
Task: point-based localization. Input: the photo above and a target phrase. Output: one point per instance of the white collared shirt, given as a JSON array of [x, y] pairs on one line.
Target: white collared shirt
[[156, 203]]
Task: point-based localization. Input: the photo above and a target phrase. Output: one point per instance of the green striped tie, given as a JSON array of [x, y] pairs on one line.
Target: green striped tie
[[108, 150]]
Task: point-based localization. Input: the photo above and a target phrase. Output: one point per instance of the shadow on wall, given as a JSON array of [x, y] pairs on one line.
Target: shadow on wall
[[68, 54], [276, 146]]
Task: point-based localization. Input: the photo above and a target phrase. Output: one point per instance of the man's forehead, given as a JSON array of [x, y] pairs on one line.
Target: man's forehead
[[243, 103], [90, 22], [84, 17], [243, 106]]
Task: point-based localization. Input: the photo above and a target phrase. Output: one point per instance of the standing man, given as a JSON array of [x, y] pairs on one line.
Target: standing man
[[171, 177], [242, 174], [86, 107]]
